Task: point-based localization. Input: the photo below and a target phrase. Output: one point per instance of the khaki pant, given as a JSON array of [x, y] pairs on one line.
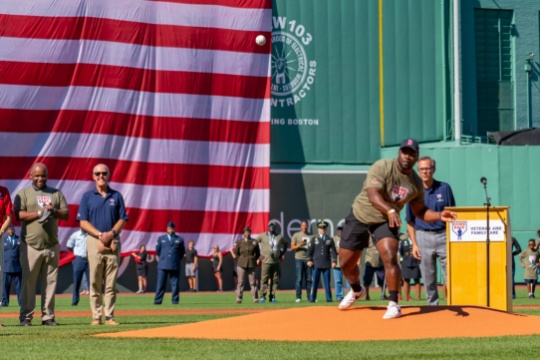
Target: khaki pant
[[103, 267], [36, 263], [242, 272], [269, 271]]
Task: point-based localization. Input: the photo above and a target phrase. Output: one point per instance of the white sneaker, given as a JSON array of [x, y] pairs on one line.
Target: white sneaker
[[298, 300], [351, 298], [393, 311]]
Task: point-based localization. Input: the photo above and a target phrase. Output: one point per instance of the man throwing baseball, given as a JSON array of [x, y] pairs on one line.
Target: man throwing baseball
[[389, 185]]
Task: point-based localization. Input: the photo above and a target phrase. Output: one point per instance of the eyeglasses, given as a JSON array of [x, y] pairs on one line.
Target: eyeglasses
[[104, 173], [425, 169]]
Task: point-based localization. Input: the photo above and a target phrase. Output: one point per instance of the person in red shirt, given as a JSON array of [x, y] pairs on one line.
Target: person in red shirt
[[6, 211]]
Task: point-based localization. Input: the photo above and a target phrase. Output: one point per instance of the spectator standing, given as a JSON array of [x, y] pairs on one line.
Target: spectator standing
[[217, 261], [169, 250], [273, 248], [528, 260], [516, 250], [373, 266], [77, 245], [299, 245], [338, 275], [322, 256], [142, 268], [39, 207], [6, 211], [247, 251], [192, 260], [12, 271], [410, 268], [102, 215]]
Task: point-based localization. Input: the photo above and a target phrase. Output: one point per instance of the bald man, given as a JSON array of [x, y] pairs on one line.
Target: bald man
[[39, 208]]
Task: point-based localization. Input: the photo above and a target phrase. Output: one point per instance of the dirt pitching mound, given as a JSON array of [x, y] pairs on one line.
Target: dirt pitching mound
[[356, 324]]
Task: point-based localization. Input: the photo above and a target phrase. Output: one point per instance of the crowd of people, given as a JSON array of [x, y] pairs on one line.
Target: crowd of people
[[372, 227]]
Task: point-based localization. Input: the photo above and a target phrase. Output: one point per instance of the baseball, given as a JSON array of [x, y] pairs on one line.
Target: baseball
[[260, 40]]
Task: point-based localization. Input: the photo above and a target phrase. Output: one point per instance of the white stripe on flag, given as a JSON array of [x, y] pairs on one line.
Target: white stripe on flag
[[151, 12], [133, 102], [132, 55], [136, 149]]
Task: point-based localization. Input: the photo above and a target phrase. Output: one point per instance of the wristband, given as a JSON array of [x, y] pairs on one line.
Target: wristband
[[113, 232], [39, 213], [391, 211]]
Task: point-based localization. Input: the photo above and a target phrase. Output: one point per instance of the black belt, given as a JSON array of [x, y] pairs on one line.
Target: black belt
[[433, 231]]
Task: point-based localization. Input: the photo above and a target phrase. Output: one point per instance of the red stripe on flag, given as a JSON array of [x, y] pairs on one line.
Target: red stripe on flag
[[88, 28], [127, 78], [131, 172], [217, 222], [154, 127]]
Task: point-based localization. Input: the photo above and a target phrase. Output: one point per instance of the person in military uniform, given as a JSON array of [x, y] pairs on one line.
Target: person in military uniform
[[273, 248], [322, 256], [246, 252], [410, 267], [169, 250], [12, 265], [374, 266]]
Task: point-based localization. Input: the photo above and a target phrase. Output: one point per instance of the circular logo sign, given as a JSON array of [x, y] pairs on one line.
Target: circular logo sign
[[292, 72]]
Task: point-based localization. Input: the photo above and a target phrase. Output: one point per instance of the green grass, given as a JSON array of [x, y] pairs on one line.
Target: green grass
[[72, 340]]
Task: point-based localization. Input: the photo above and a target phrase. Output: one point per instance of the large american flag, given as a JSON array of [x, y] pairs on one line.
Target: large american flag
[[172, 95]]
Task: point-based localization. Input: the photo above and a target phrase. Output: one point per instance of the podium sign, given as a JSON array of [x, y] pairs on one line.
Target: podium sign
[[467, 265]]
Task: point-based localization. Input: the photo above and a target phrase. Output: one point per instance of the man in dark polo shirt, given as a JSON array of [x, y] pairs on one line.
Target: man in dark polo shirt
[[102, 215], [39, 208], [389, 185], [429, 239]]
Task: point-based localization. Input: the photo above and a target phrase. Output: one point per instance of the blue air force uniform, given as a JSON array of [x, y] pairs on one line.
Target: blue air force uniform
[[322, 252], [12, 268], [170, 250]]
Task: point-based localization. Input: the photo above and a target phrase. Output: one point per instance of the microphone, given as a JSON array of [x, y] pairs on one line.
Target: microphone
[[483, 180]]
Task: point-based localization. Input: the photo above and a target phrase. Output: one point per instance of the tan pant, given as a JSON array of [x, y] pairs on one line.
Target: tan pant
[[36, 263], [103, 267], [269, 271], [242, 272]]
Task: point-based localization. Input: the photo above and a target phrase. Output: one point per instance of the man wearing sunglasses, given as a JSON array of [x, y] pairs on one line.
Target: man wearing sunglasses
[[39, 207], [102, 214]]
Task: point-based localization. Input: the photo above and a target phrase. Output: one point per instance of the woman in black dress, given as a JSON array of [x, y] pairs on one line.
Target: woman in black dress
[[217, 260], [142, 268]]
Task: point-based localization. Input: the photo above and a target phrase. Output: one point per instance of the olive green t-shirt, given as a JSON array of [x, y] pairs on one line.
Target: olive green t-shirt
[[39, 236], [298, 238], [530, 258], [399, 189]]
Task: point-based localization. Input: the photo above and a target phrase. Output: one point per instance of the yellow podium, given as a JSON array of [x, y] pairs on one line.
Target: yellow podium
[[467, 258]]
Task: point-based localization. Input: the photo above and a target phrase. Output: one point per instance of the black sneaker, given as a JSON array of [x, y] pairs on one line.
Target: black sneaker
[[49, 322]]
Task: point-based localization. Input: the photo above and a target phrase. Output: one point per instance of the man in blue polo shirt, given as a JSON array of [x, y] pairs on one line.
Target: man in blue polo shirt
[[429, 239], [102, 215], [77, 245]]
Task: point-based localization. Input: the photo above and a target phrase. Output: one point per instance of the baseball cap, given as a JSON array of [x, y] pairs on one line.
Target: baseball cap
[[171, 224], [411, 144], [271, 225], [247, 228], [322, 224]]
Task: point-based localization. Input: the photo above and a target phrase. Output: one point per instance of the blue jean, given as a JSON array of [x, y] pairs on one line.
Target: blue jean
[[338, 282], [162, 281], [326, 280], [80, 266], [303, 272]]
